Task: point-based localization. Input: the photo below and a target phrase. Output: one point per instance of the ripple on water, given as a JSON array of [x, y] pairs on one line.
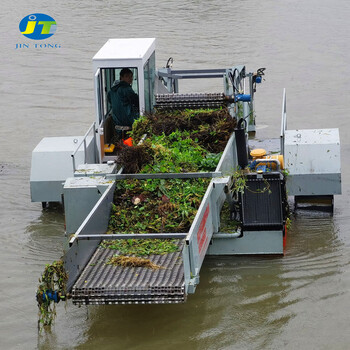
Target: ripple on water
[[266, 293]]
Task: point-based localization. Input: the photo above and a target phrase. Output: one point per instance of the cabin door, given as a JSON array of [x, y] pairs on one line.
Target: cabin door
[[99, 113]]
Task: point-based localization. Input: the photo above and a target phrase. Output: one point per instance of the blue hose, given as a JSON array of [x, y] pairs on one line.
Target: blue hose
[[51, 295]]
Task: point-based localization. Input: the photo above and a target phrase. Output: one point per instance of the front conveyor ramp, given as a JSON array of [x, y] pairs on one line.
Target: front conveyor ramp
[[107, 284]]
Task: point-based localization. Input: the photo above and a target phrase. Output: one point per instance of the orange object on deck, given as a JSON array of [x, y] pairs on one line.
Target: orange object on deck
[[258, 153], [285, 237], [109, 148], [128, 142]]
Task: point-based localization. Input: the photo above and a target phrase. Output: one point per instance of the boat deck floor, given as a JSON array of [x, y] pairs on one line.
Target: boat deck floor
[[271, 146], [100, 283]]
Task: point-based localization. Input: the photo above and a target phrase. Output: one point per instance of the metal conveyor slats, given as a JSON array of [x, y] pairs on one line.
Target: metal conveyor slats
[[107, 284]]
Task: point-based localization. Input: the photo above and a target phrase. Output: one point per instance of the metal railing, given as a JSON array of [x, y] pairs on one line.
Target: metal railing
[[171, 77], [83, 142], [283, 120]]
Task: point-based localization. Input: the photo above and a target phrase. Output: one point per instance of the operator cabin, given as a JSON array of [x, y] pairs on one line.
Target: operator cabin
[[138, 55]]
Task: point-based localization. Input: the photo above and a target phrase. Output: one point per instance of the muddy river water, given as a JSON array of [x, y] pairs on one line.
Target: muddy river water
[[300, 301]]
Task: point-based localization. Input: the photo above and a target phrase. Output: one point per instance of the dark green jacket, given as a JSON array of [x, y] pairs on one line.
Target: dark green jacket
[[125, 103]]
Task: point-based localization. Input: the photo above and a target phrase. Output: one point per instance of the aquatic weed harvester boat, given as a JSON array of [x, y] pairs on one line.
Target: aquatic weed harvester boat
[[247, 188]]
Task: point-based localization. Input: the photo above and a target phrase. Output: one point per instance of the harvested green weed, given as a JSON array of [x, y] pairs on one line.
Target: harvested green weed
[[211, 128], [177, 142], [141, 247], [158, 205]]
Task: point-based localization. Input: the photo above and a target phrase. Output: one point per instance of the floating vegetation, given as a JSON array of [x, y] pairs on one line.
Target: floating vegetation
[[51, 289], [132, 261]]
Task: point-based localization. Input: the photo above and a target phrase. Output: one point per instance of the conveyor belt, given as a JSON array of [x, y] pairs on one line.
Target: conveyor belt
[[194, 100], [107, 284]]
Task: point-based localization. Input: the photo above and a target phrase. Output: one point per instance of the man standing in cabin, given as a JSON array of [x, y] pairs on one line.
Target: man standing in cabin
[[125, 102]]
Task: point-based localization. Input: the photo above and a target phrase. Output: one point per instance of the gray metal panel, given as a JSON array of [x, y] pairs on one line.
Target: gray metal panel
[[46, 191], [228, 161], [207, 218], [80, 196], [95, 169], [283, 121], [113, 236], [115, 51], [312, 158], [52, 164], [199, 236], [165, 175], [107, 284], [252, 242], [313, 184], [78, 203], [204, 224], [96, 222], [191, 73], [315, 151]]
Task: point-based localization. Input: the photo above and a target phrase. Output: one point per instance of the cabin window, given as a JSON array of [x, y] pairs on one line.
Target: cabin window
[[149, 76], [109, 76]]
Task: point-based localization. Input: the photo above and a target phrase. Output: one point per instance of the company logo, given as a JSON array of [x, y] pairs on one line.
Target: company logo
[[37, 26]]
